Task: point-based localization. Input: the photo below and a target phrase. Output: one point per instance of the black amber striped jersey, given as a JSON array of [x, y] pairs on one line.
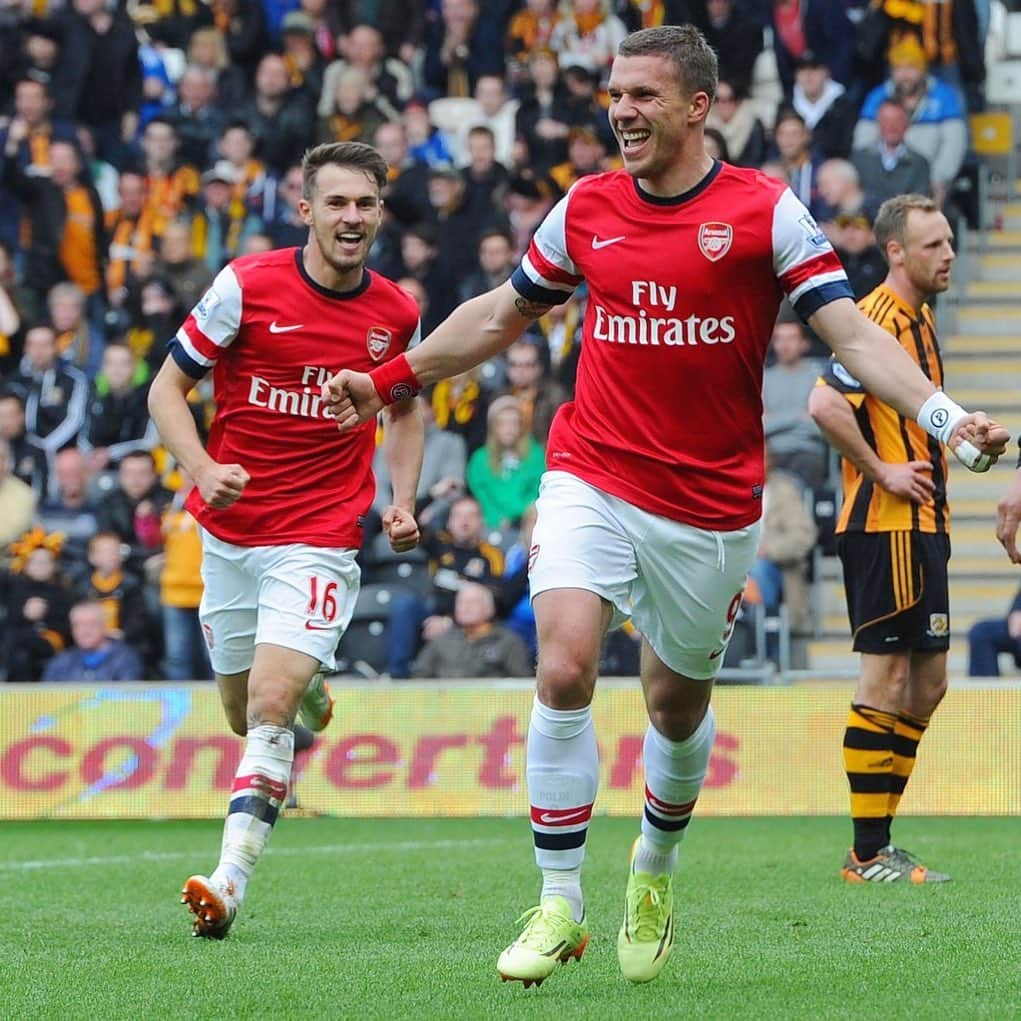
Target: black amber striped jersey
[[867, 507]]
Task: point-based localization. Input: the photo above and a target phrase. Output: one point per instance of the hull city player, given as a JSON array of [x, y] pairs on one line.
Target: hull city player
[[652, 498], [279, 493]]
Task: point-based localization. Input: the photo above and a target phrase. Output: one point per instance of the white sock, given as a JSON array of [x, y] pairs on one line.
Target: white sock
[[562, 771], [260, 788], [674, 772]]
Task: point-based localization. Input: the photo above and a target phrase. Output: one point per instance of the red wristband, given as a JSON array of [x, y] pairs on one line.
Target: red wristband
[[395, 380]]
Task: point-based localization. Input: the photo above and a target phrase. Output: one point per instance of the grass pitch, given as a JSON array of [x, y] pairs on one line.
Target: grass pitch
[[404, 919]]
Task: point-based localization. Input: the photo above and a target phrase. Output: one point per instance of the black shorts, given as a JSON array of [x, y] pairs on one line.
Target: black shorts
[[896, 585]]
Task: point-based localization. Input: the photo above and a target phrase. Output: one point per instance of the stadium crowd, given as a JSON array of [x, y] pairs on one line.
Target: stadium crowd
[[146, 145]]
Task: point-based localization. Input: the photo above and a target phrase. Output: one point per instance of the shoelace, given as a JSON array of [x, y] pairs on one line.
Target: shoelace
[[540, 927], [648, 917]]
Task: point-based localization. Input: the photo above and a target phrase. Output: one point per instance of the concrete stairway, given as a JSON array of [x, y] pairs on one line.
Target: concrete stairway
[[982, 362]]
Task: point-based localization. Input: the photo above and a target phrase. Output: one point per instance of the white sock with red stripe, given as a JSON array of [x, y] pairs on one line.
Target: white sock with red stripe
[[562, 770], [259, 791], [674, 771]]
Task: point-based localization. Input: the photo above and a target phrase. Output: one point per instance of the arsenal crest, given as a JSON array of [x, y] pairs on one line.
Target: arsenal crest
[[715, 239], [378, 341]]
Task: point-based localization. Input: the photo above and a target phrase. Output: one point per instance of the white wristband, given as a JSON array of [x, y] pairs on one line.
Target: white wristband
[[939, 416]]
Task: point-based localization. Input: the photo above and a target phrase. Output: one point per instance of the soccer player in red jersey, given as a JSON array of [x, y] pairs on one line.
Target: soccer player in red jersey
[[653, 494], [279, 492]]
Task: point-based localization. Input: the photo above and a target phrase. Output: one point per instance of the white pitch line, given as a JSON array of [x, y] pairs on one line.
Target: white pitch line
[[147, 856]]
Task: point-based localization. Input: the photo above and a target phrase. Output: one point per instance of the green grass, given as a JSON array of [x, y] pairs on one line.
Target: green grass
[[404, 919]]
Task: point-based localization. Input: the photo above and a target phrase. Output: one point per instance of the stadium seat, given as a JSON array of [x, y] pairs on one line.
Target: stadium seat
[[361, 651], [406, 572]]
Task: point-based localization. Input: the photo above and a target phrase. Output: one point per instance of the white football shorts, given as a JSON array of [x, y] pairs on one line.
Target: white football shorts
[[296, 596], [681, 585]]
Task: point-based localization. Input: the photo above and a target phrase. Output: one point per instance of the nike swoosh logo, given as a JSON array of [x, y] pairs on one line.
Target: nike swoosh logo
[[274, 328], [597, 244], [309, 626], [553, 819]]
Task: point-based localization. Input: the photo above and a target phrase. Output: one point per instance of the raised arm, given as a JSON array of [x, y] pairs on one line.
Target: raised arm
[[886, 370], [404, 443], [473, 332]]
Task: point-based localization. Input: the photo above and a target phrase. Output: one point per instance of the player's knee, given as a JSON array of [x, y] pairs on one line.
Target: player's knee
[[677, 723], [566, 679]]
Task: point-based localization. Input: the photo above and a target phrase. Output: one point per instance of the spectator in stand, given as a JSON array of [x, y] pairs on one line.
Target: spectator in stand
[[889, 166], [103, 175], [243, 23], [54, 391], [253, 186], [988, 637], [588, 35], [118, 592], [406, 196], [95, 655], [352, 114], [825, 106], [586, 155], [938, 130], [187, 275], [822, 28], [197, 115], [737, 40], [220, 223], [100, 59], [148, 337], [840, 194], [734, 117], [560, 329], [286, 227], [117, 422], [35, 54], [134, 508], [79, 341], [474, 645], [485, 180], [715, 145], [37, 601], [457, 225], [387, 79], [496, 263], [169, 184], [855, 243], [788, 537], [400, 22], [17, 499], [546, 113], [457, 554], [537, 394], [280, 118], [27, 457], [800, 164], [207, 49], [504, 474], [33, 107], [67, 510], [490, 108], [590, 103], [129, 244], [793, 440], [528, 200], [461, 45], [442, 478], [426, 143], [419, 260], [65, 215], [301, 55], [530, 29], [460, 405], [186, 656]]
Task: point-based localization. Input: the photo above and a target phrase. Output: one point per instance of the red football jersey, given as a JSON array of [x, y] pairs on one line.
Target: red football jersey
[[682, 297], [272, 335]]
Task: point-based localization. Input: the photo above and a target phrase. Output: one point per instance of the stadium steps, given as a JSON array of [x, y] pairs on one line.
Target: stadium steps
[[995, 320], [998, 267]]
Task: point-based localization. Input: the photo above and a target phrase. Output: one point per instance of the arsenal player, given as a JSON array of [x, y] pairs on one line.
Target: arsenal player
[[651, 503], [279, 492]]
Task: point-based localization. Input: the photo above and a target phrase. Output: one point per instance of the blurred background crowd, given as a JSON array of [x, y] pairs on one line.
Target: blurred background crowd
[[144, 146]]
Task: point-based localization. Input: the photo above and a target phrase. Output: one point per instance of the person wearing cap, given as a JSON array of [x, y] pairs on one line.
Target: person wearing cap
[[937, 127], [301, 55], [221, 224], [824, 105]]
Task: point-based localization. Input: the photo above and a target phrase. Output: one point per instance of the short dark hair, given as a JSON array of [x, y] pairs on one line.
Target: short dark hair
[[356, 155], [693, 57], [892, 220]]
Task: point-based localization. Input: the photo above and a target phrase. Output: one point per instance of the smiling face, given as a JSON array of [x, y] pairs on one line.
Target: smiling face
[[343, 211], [649, 114]]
